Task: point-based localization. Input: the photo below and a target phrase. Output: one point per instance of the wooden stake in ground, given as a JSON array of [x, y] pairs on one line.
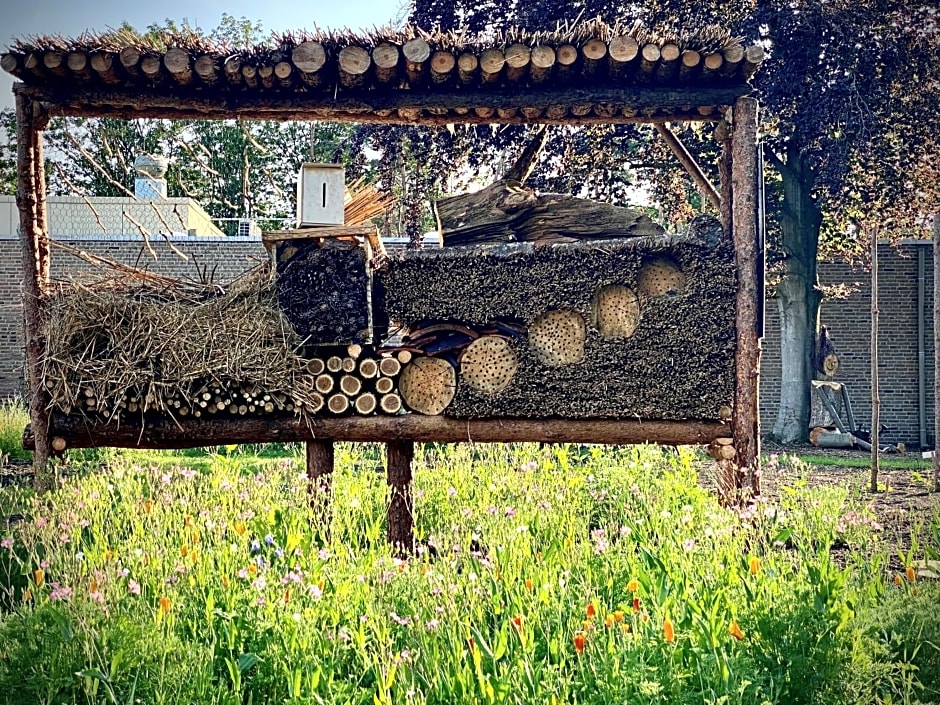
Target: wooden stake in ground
[[875, 398], [320, 477], [400, 505], [936, 347]]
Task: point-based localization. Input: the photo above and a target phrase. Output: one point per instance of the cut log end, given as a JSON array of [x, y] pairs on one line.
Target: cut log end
[[616, 311], [557, 338], [661, 277], [427, 385], [488, 364]]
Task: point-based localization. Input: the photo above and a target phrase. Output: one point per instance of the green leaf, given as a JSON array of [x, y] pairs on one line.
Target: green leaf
[[247, 661]]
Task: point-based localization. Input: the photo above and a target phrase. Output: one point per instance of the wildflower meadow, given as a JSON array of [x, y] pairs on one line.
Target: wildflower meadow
[[562, 574]]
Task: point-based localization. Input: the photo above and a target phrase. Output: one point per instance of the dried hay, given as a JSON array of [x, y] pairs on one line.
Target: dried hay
[[159, 344]]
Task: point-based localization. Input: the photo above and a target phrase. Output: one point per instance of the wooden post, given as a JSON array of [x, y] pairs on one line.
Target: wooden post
[[688, 161], [875, 396], [400, 504], [30, 199], [745, 420], [936, 352], [723, 137], [320, 458]]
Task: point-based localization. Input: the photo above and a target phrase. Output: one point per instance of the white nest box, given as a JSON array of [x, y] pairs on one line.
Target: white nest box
[[320, 192]]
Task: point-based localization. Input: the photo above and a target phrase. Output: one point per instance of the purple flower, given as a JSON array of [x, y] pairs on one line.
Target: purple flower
[[269, 540], [255, 545], [59, 592], [279, 552]]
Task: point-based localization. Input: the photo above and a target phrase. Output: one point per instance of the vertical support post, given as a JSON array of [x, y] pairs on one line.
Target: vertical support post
[[723, 136], [936, 352], [320, 462], [400, 504], [875, 394], [745, 420], [30, 200]]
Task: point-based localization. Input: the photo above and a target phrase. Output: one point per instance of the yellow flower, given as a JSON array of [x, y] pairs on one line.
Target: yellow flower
[[911, 574], [184, 550], [735, 630], [148, 506], [618, 616], [195, 536], [239, 527], [754, 566], [40, 577], [609, 621], [669, 632], [633, 586], [253, 569], [188, 521]]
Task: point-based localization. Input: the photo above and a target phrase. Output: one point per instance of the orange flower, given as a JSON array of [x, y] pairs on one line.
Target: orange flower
[[253, 569], [754, 565], [184, 551], [580, 639], [735, 630], [286, 596], [470, 644], [538, 556], [239, 527], [897, 580], [528, 584], [609, 621], [591, 611], [633, 586], [108, 556], [93, 586], [40, 577], [195, 536], [587, 625], [911, 574], [148, 506], [28, 595], [224, 581], [164, 604], [669, 632], [517, 623], [188, 521], [636, 605], [618, 616]]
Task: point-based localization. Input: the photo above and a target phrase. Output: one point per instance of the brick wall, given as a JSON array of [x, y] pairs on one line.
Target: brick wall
[[221, 258], [849, 322], [848, 318]]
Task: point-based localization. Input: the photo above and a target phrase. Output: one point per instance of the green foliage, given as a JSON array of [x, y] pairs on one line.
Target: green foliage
[[13, 419], [164, 583]]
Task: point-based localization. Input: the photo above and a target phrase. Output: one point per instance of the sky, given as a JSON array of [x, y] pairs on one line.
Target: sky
[[22, 18]]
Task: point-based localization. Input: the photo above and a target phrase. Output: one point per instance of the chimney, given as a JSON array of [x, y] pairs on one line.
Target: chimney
[[150, 184]]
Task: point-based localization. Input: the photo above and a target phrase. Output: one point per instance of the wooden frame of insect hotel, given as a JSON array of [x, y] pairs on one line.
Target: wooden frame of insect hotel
[[524, 326]]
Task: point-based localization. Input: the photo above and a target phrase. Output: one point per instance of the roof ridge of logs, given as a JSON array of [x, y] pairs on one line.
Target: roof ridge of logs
[[606, 52]]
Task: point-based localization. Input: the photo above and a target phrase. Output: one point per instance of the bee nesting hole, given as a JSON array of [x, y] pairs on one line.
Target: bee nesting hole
[[557, 337], [427, 385], [616, 311], [488, 364], [661, 277]]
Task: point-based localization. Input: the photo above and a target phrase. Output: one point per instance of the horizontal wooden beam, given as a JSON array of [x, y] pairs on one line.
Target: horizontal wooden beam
[[555, 106], [81, 432]]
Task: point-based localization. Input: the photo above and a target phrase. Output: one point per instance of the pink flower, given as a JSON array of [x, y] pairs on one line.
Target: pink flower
[[451, 492], [7, 543], [59, 592], [133, 587], [316, 592]]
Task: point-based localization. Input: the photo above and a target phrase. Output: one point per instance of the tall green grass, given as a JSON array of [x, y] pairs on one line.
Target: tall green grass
[[561, 575], [13, 419]]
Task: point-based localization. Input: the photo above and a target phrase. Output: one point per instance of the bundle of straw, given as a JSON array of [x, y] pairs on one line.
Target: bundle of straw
[[362, 203]]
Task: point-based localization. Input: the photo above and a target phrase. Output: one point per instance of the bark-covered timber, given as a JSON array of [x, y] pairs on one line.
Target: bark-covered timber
[[688, 161], [400, 516], [30, 200], [746, 410], [82, 432], [722, 135], [507, 211], [653, 373], [667, 103], [875, 392], [320, 461]]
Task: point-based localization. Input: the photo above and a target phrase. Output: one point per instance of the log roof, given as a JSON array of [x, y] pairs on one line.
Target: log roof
[[590, 72]]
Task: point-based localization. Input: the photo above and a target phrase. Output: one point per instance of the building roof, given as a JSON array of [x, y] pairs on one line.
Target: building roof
[[591, 72]]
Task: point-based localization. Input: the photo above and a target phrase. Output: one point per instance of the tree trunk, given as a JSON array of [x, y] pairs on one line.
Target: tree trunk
[[798, 296]]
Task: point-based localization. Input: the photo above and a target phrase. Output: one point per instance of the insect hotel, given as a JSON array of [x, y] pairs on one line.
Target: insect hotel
[[542, 317]]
